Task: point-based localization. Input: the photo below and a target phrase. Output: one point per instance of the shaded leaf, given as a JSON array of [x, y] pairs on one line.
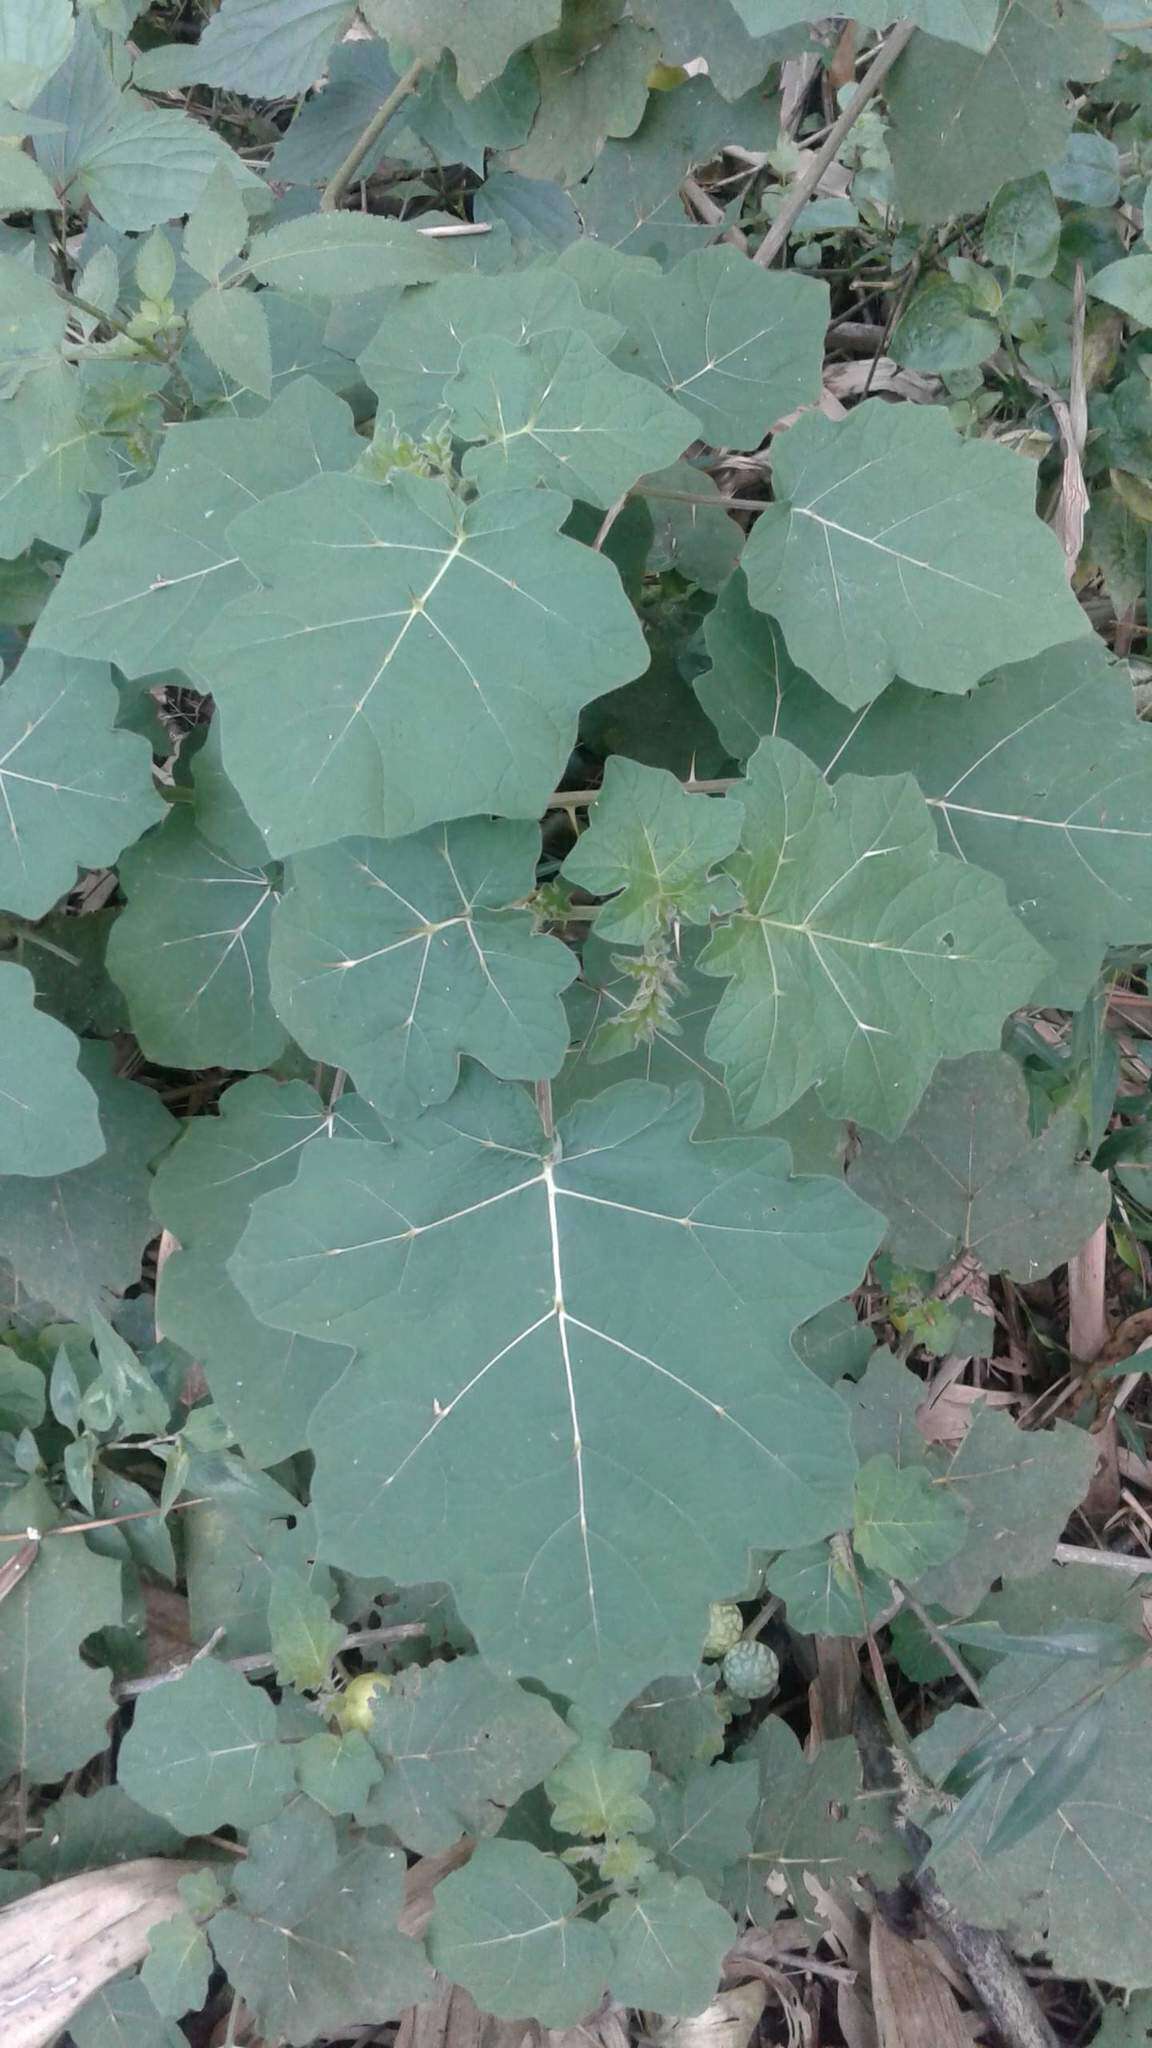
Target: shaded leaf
[[202, 1752], [904, 1521], [54, 1708], [48, 1112], [505, 1927], [481, 39], [967, 1176], [653, 847], [669, 1941]]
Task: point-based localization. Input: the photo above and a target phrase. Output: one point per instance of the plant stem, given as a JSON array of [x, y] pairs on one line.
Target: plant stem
[[802, 192], [698, 498], [582, 799], [338, 184], [940, 1640], [150, 348]]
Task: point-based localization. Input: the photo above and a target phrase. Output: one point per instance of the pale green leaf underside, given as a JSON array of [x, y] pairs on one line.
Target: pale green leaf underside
[[391, 959], [967, 1176], [420, 659], [895, 547], [863, 956], [635, 1275], [72, 790]]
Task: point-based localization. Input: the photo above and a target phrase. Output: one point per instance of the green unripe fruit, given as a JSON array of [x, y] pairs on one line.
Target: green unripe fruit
[[725, 1627], [354, 1706], [751, 1669]]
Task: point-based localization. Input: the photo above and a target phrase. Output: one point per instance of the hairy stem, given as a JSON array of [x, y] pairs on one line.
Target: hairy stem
[[340, 180]]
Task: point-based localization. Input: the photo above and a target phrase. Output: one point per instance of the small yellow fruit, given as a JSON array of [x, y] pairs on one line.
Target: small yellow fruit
[[354, 1707]]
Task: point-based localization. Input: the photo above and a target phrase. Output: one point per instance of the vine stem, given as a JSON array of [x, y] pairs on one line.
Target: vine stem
[[340, 180], [150, 348], [802, 191]]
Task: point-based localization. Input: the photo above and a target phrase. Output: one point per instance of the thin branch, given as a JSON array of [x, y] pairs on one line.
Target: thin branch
[[1115, 1560], [338, 184], [583, 799], [150, 348], [802, 191], [264, 1660], [609, 521], [936, 1636], [698, 498]]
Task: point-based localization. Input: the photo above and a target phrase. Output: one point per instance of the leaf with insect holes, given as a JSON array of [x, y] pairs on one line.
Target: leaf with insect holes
[[893, 954], [459, 1746], [739, 346], [652, 847], [48, 1112], [392, 958], [421, 658], [567, 1266], [202, 1752], [895, 547], [74, 790], [311, 1943], [967, 1177], [417, 350], [265, 1383], [160, 566], [555, 411]]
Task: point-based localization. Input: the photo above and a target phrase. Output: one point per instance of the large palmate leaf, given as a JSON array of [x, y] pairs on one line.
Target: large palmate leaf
[[507, 1928], [901, 1523], [48, 1112], [190, 952], [892, 954], [270, 48], [392, 958], [593, 73], [459, 1746], [73, 790], [739, 346], [967, 1176], [896, 547], [702, 1823], [265, 1383], [652, 848], [202, 1752], [1081, 1878], [519, 1309], [160, 565], [54, 1708], [311, 1943], [417, 349], [1043, 775], [420, 658], [965, 120], [555, 411], [481, 36], [75, 1239]]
